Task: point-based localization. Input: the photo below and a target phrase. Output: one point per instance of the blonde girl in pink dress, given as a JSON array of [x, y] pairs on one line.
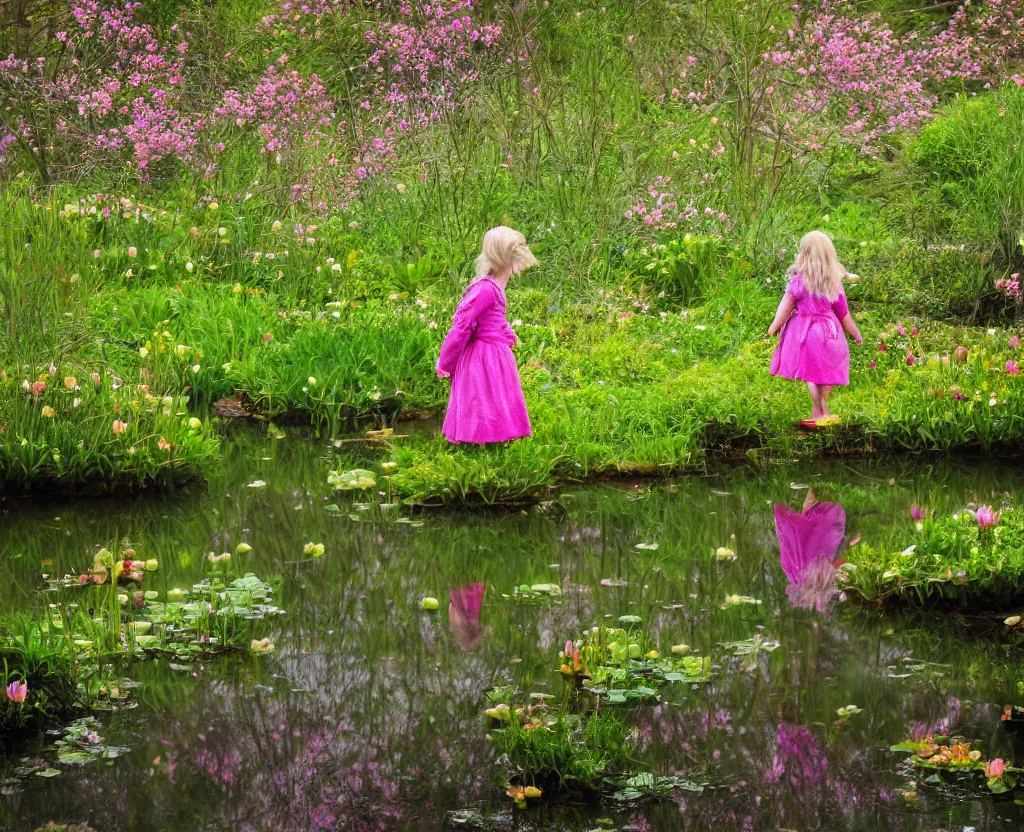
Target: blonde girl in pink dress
[[486, 402], [812, 316]]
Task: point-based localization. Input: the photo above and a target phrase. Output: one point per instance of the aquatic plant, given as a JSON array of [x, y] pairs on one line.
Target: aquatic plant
[[955, 755]]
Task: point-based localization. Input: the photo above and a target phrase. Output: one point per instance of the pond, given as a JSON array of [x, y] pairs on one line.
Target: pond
[[369, 712]]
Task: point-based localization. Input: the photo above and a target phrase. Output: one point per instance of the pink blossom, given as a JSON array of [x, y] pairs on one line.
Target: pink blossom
[[16, 692], [1012, 368], [916, 513], [994, 769], [986, 517], [1014, 342]]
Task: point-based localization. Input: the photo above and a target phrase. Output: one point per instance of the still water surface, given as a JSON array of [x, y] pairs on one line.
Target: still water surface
[[369, 713]]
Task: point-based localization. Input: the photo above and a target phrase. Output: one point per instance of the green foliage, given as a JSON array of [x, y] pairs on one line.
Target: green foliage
[[682, 269], [952, 560]]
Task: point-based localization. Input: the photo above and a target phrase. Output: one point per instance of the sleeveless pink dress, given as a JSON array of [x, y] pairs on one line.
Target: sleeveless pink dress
[[812, 346], [486, 402]]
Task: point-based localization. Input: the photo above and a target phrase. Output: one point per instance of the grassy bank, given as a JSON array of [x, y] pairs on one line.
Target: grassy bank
[[311, 273]]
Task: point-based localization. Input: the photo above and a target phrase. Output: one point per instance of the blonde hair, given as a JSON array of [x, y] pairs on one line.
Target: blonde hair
[[818, 264], [503, 248]]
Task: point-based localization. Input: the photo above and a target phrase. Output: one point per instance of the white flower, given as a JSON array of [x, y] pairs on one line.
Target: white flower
[[276, 226], [189, 267]]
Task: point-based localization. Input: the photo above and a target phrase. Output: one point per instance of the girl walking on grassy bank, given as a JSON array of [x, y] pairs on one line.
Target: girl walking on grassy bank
[[812, 315], [486, 403]]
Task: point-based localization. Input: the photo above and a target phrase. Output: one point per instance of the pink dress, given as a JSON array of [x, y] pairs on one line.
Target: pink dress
[[812, 346], [486, 403]]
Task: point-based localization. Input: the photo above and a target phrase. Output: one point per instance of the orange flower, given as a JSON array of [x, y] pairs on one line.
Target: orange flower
[[118, 427]]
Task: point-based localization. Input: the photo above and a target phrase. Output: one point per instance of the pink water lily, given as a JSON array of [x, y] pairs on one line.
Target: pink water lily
[[987, 517], [16, 692], [995, 769]]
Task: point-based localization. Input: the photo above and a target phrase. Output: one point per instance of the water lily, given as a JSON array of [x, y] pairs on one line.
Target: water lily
[[261, 647], [986, 517], [994, 769], [16, 692]]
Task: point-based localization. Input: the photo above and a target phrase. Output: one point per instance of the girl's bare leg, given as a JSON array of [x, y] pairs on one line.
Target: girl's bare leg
[[816, 404], [826, 391]]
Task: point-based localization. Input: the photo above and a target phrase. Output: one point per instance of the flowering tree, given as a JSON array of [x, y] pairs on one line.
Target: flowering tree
[[85, 82]]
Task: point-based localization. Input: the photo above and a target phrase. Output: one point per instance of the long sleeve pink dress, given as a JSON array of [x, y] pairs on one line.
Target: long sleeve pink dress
[[812, 346], [486, 402]]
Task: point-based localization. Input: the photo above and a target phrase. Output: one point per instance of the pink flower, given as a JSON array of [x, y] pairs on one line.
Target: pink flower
[[1014, 342], [873, 364], [118, 427], [37, 388], [986, 517], [911, 361], [995, 769], [900, 329], [916, 513], [882, 347], [163, 444], [1012, 368], [16, 692], [267, 337], [913, 330], [96, 379]]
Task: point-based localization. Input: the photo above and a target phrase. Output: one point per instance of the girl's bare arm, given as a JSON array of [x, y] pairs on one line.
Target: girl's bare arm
[[785, 310], [851, 328]]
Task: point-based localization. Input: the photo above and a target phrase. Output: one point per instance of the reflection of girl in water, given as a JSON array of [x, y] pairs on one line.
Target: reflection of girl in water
[[808, 543], [464, 614]]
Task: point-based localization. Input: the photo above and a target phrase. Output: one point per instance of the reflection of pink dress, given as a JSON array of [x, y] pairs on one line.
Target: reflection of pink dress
[[812, 346], [808, 543], [464, 613], [486, 403]]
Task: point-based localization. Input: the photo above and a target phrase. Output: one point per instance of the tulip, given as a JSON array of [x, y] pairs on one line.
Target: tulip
[[16, 692], [994, 769], [48, 411], [916, 513], [118, 427], [986, 517]]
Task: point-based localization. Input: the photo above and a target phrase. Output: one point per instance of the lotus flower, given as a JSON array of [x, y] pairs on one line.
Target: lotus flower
[[995, 769], [16, 692], [986, 517]]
